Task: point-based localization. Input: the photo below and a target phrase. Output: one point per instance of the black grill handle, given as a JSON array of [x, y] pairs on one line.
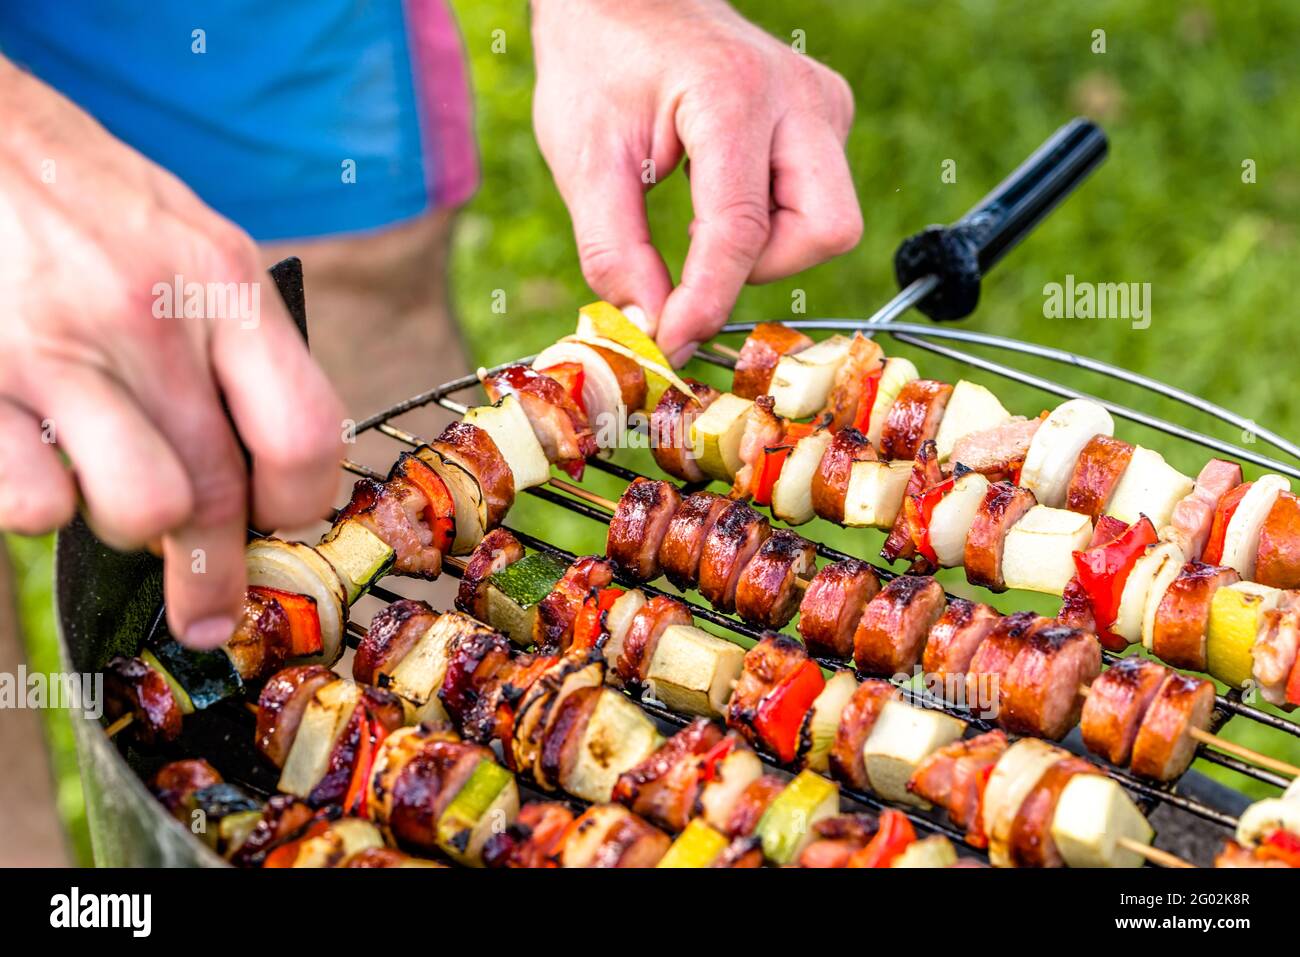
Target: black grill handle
[[961, 254]]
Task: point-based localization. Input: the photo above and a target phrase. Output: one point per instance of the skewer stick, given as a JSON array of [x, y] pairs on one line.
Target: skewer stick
[[119, 724], [577, 491], [724, 350], [1153, 854]]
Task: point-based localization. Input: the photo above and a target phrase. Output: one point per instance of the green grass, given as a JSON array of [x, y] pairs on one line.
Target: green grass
[[1186, 93]]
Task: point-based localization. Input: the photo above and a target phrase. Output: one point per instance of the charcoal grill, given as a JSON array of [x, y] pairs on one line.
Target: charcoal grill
[[109, 602]]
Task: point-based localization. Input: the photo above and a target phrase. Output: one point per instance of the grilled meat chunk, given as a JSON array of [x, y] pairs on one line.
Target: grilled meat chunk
[[952, 778], [1117, 703], [894, 626], [1098, 470], [1189, 526], [648, 624], [926, 473], [832, 606], [998, 452], [498, 549], [423, 784], [132, 687], [913, 418], [474, 450], [1041, 689], [865, 358], [847, 764], [534, 839], [683, 543], [280, 706], [637, 529], [670, 430], [262, 642], [766, 593], [752, 805], [559, 424], [394, 510], [1275, 652], [479, 660], [608, 835], [393, 632], [764, 429], [952, 643], [553, 630], [769, 663], [1278, 561], [1032, 844], [284, 818], [176, 782], [837, 838], [986, 678], [1076, 603], [732, 542], [830, 485], [1183, 617], [1003, 506], [760, 354], [1164, 746], [665, 787]]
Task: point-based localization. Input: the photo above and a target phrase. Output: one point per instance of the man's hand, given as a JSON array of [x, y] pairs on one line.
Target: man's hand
[[97, 364], [627, 86]]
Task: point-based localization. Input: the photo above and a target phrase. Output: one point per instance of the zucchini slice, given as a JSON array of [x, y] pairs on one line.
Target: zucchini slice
[[786, 827], [692, 671], [486, 804], [359, 557], [514, 591], [203, 677]]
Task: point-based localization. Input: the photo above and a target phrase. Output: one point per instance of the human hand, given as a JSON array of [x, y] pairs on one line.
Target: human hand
[[97, 363], [623, 83]]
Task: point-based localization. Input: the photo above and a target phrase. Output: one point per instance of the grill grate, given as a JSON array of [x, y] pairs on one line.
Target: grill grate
[[1148, 795]]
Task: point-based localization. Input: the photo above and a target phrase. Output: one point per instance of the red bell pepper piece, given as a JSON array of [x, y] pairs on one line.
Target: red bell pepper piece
[[975, 833], [1223, 513], [769, 466], [713, 757], [925, 503], [1104, 569], [870, 389], [286, 854], [780, 715], [573, 377], [440, 513], [304, 619], [892, 837], [1293, 685], [589, 624], [1280, 846]]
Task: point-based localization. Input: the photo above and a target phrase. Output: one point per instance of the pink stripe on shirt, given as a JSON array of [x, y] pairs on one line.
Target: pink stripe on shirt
[[442, 88]]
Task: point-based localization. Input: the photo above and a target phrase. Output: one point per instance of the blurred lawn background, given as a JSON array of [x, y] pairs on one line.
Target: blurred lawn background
[[1187, 93]]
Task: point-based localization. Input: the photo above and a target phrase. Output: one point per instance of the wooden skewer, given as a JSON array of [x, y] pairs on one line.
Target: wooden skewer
[[119, 724], [1153, 854], [724, 350]]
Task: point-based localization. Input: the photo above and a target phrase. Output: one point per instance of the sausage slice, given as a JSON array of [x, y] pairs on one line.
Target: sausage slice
[[1164, 747], [683, 543], [1182, 620], [731, 543], [913, 418], [766, 593], [1004, 504], [1116, 705], [832, 606], [894, 625], [637, 530]]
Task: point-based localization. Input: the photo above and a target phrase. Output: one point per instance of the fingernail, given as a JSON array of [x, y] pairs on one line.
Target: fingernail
[[683, 355], [639, 318], [209, 632]]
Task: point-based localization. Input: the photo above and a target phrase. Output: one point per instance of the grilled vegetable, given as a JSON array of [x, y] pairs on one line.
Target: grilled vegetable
[[1241, 538], [952, 516], [1015, 775], [1167, 570], [329, 848], [1091, 817], [471, 508], [898, 372], [1055, 448], [1137, 589], [1236, 612], [359, 557], [823, 721], [786, 827], [716, 434], [298, 568], [933, 851], [802, 380], [486, 804], [514, 592], [1039, 549], [604, 325], [203, 677], [792, 493], [899, 741], [419, 675], [730, 776], [183, 701], [509, 428], [602, 394], [875, 493], [697, 846], [1265, 817], [971, 408], [1150, 486], [618, 736], [323, 723], [304, 620], [692, 671]]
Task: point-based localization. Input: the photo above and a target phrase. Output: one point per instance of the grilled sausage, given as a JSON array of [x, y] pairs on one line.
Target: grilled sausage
[[766, 665], [837, 838], [1275, 652], [894, 625], [476, 658], [1164, 746], [665, 787], [1031, 831], [1116, 704], [176, 781], [951, 777], [913, 418], [997, 453], [394, 511], [766, 593], [1183, 616], [760, 354], [637, 529], [629, 373], [498, 549], [926, 473], [534, 838], [830, 484], [847, 764], [1004, 504], [553, 627], [261, 643], [670, 430], [865, 357], [559, 754], [475, 451], [607, 835], [1098, 470], [683, 543], [986, 679], [393, 632], [832, 606], [764, 430], [1042, 693], [424, 784], [281, 704], [648, 625], [1278, 561], [732, 542], [752, 805], [952, 643]]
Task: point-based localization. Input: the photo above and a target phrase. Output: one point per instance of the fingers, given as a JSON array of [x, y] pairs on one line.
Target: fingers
[[730, 154], [37, 494], [817, 216], [288, 415], [619, 260]]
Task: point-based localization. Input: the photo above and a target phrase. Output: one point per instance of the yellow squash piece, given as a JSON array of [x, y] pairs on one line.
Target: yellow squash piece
[[1235, 614], [697, 846], [605, 325]]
